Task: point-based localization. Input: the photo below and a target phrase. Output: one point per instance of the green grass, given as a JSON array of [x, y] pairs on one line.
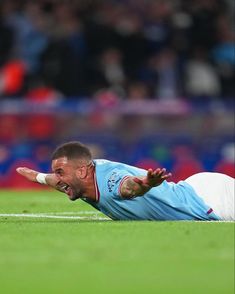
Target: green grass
[[40, 255]]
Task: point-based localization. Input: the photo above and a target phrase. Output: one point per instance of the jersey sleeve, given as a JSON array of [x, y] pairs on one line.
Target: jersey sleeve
[[114, 181]]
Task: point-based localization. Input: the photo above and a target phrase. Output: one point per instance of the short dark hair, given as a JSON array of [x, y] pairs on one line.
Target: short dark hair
[[72, 150]]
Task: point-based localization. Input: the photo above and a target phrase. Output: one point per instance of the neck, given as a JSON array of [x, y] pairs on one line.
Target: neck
[[90, 185]]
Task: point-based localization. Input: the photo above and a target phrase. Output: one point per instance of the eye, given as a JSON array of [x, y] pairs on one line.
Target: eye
[[59, 172]]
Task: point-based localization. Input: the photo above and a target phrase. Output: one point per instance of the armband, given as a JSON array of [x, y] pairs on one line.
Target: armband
[[41, 178]]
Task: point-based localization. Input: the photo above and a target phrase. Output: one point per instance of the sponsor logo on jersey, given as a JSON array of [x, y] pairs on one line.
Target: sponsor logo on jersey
[[113, 180]]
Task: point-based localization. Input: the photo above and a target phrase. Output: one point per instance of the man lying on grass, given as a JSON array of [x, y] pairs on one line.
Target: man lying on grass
[[125, 192]]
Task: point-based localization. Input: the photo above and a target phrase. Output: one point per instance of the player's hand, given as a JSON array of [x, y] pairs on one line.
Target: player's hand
[[28, 173], [51, 179], [153, 178], [31, 175]]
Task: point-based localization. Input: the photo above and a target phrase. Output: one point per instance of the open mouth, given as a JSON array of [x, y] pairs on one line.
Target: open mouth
[[69, 191], [65, 188]]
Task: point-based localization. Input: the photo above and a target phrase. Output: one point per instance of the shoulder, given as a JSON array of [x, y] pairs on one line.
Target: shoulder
[[108, 165], [110, 175]]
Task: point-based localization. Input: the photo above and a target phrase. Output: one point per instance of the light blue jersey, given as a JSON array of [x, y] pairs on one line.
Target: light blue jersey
[[168, 201]]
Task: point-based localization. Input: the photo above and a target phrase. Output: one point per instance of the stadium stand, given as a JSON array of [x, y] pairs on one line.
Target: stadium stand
[[144, 82]]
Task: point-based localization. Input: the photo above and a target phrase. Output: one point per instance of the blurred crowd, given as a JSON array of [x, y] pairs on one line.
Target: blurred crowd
[[130, 49], [179, 157], [111, 51], [183, 145]]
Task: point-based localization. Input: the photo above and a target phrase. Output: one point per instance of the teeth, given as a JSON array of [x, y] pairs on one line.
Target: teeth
[[65, 187]]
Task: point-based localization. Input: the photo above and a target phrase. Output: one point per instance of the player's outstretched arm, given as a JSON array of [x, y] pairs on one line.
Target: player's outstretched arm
[[138, 186], [32, 175]]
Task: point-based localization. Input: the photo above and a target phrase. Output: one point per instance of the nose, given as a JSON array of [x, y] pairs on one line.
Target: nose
[[59, 177]]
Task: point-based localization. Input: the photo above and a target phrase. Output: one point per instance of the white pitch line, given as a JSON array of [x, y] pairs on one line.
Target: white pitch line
[[72, 212], [216, 221], [91, 217], [41, 215]]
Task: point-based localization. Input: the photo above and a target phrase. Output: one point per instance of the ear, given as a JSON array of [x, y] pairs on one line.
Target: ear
[[81, 172]]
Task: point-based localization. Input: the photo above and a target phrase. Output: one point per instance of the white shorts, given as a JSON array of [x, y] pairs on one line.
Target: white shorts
[[217, 191]]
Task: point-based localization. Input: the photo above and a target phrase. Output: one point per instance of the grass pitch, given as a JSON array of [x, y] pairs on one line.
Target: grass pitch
[[51, 245]]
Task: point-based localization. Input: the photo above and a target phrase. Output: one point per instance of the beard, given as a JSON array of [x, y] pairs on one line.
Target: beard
[[74, 191], [74, 194]]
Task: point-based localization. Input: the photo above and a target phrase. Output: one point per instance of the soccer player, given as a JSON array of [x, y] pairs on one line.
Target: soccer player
[[124, 192]]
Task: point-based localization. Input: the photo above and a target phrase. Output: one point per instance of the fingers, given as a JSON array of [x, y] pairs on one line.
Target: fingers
[[23, 170], [166, 176], [27, 173], [153, 177], [150, 173], [20, 170], [158, 174]]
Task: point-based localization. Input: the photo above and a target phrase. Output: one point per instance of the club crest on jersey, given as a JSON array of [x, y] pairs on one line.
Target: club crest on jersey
[[113, 180]]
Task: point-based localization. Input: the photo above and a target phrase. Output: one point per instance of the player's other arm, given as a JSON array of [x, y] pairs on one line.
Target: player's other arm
[[47, 179], [138, 186]]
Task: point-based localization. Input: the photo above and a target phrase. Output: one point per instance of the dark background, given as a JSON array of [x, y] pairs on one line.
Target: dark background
[[149, 83]]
